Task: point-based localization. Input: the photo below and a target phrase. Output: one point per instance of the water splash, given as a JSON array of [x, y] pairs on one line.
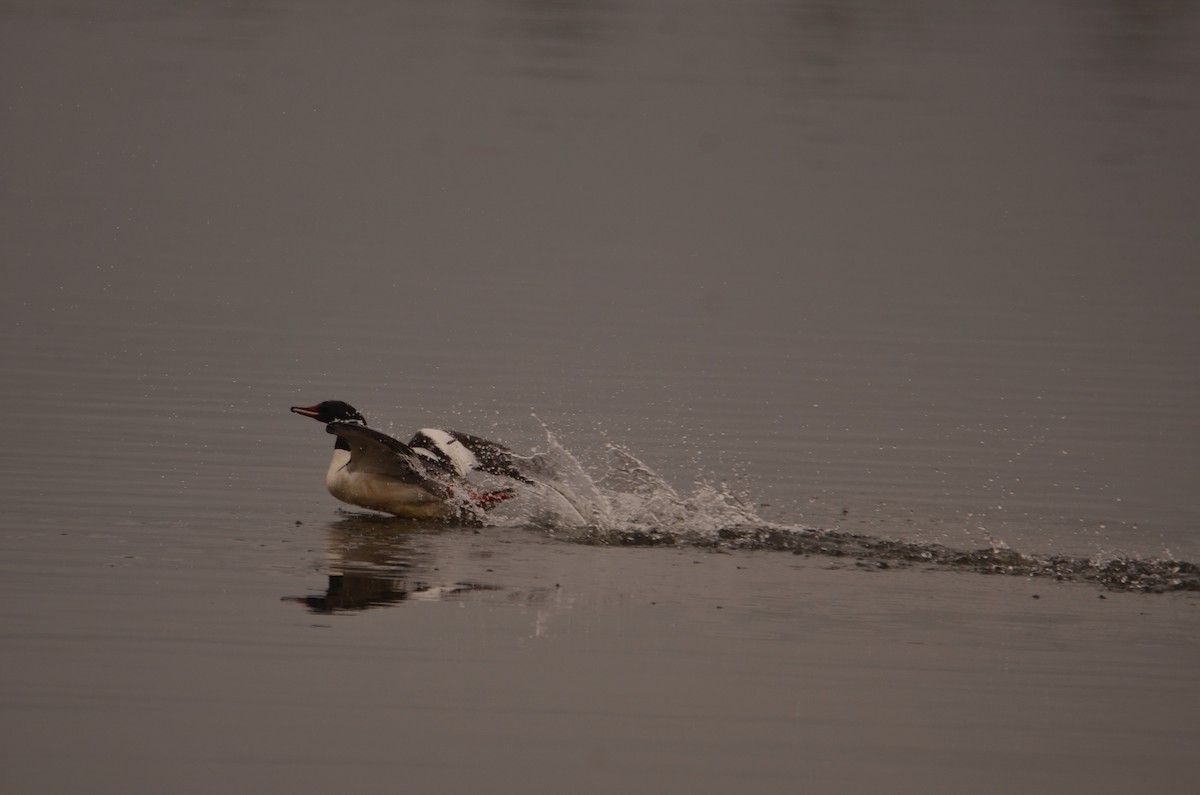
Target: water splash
[[622, 495], [623, 502]]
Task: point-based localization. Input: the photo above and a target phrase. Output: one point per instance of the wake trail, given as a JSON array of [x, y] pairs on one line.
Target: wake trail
[[623, 502]]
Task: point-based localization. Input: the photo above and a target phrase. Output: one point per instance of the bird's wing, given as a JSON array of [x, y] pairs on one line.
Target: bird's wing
[[461, 453], [377, 453], [491, 456]]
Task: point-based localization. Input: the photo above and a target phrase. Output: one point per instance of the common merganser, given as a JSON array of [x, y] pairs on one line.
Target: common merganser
[[424, 479]]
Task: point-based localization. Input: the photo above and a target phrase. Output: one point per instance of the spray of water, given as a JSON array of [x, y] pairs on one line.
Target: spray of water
[[622, 501], [623, 495]]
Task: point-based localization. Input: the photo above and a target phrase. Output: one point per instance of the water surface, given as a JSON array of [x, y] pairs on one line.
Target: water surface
[[913, 273]]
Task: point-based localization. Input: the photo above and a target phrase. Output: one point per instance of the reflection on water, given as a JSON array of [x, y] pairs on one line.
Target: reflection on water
[[353, 592], [375, 560], [372, 561]]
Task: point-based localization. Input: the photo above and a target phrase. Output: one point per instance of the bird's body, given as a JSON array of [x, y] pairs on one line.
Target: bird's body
[[380, 492], [424, 479]]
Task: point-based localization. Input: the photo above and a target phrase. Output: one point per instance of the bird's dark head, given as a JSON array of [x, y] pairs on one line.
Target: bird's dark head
[[331, 411]]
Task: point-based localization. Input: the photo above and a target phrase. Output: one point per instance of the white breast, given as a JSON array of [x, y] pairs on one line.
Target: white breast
[[336, 465], [380, 493]]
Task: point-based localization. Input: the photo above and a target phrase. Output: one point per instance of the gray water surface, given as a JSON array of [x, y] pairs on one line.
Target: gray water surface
[[918, 271], [927, 265]]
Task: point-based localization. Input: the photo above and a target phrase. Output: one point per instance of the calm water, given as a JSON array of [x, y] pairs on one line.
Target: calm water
[[912, 270]]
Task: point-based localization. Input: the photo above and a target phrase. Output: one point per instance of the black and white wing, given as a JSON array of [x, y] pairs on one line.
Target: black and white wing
[[463, 453]]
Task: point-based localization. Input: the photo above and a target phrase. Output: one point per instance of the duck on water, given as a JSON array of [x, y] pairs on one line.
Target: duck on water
[[424, 479]]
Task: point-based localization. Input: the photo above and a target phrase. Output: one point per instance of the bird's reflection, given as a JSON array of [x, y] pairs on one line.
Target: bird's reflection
[[375, 561]]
